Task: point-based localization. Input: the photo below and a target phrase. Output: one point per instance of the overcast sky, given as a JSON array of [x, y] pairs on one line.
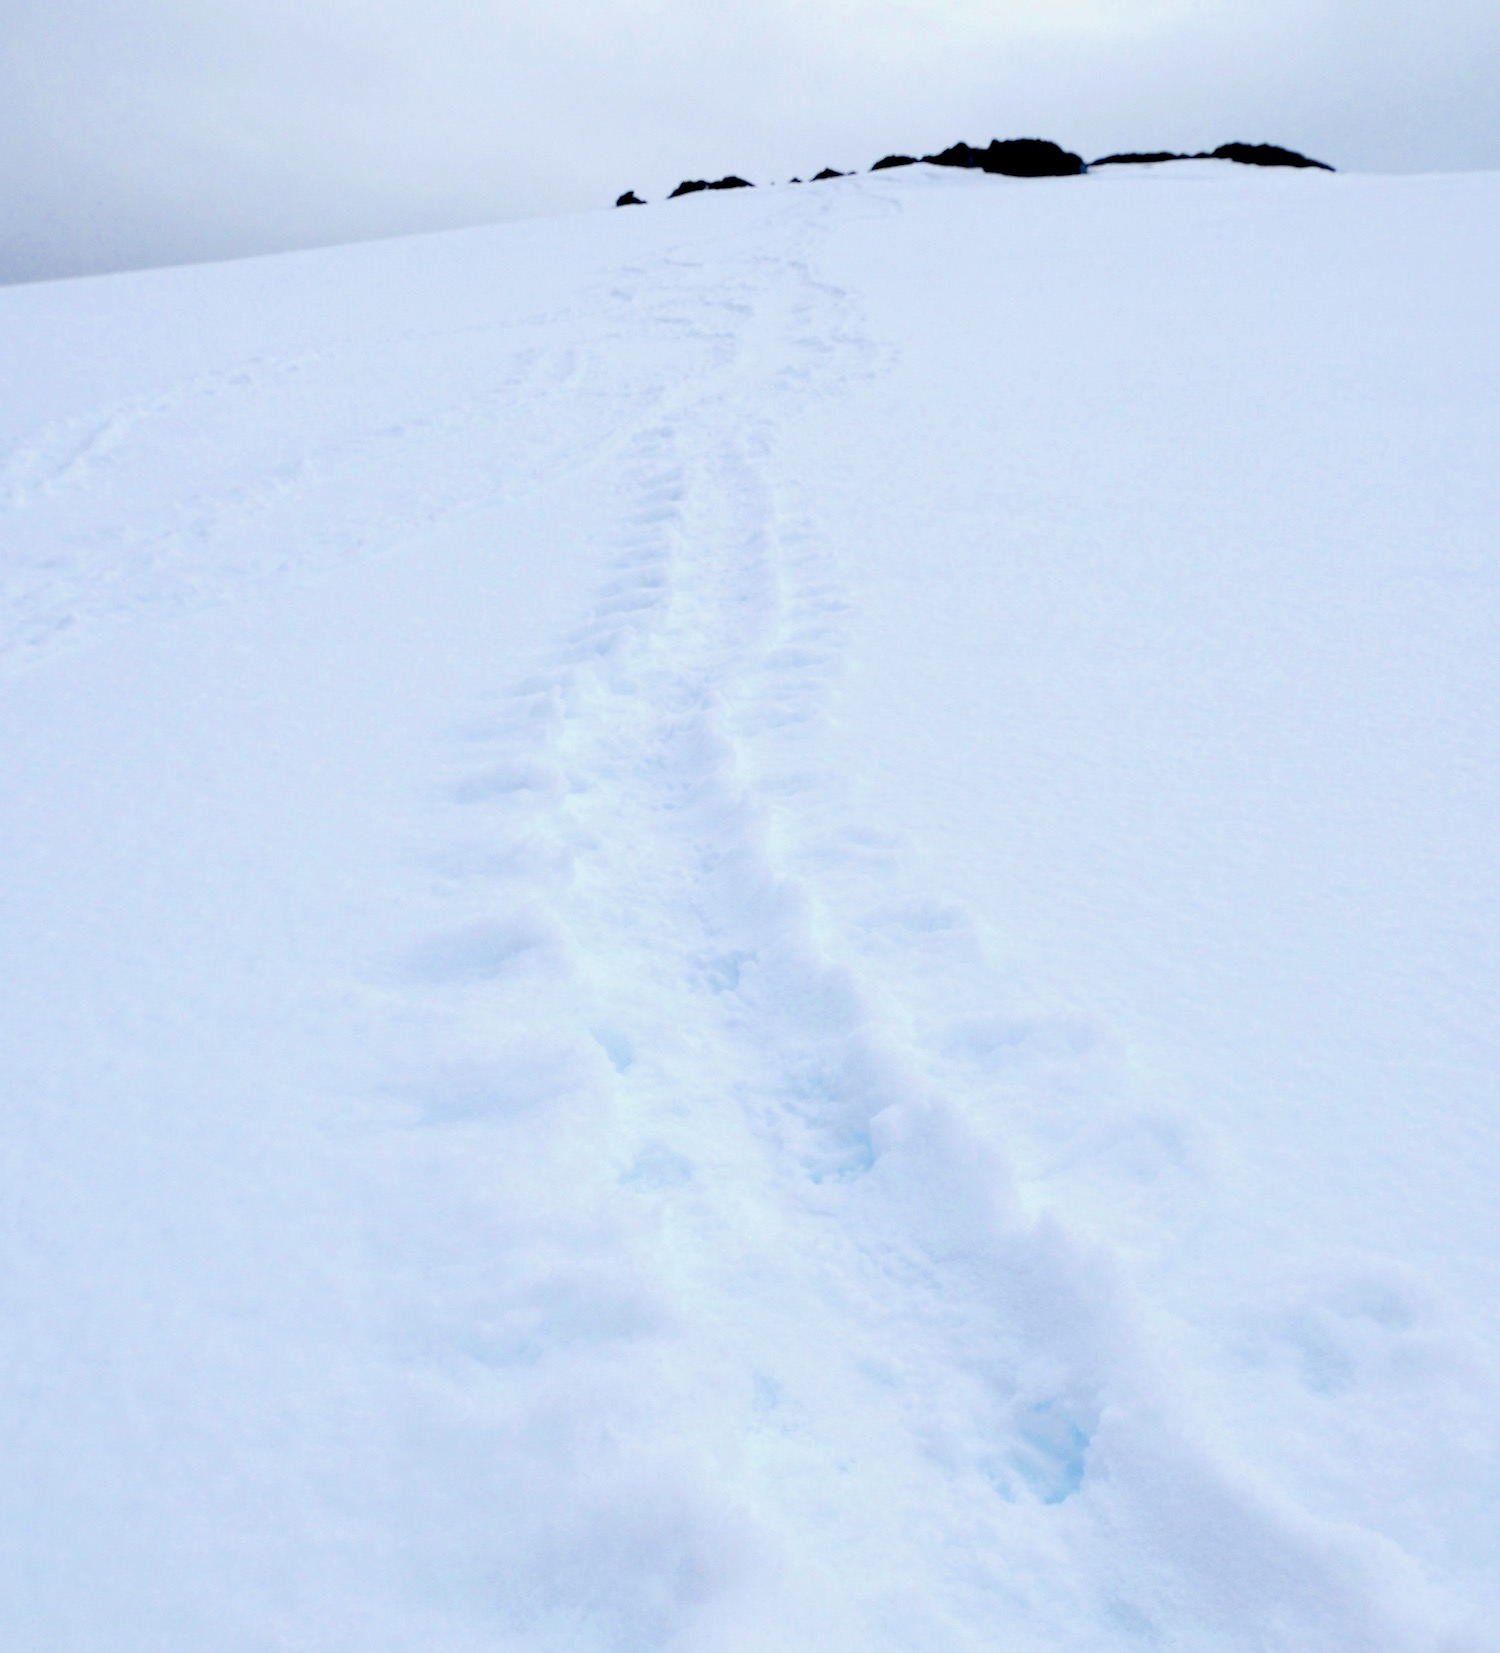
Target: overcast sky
[[140, 132]]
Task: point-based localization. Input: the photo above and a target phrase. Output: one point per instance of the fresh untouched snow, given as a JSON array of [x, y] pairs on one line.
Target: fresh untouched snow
[[768, 924]]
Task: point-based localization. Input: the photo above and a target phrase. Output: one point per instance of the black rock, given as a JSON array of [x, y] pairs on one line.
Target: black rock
[[1249, 154], [1031, 158], [1264, 154], [691, 186], [1146, 158], [1013, 158], [893, 160], [959, 154], [630, 199], [828, 172]]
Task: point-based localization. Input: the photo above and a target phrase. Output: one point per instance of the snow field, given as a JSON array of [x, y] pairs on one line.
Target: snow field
[[636, 1027]]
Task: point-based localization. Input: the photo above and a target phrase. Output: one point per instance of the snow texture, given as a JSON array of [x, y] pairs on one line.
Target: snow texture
[[763, 925]]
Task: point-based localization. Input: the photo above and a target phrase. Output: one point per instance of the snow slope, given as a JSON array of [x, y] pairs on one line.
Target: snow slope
[[764, 924]]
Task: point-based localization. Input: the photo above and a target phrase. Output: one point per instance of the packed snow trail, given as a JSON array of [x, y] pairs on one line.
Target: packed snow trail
[[664, 1125], [621, 841]]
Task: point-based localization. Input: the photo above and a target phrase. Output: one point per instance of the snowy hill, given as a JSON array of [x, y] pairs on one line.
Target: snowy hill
[[768, 924]]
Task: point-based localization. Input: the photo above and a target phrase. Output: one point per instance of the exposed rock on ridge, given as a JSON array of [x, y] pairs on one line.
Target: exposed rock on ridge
[[1026, 158], [691, 186], [1247, 154], [1013, 158]]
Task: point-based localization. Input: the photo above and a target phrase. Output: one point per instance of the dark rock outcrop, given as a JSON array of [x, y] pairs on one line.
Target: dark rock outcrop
[[1023, 158], [1248, 154], [1013, 158], [1265, 154], [959, 154], [1148, 157], [691, 186]]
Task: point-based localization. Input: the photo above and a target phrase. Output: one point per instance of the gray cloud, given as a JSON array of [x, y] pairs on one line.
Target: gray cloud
[[169, 130]]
